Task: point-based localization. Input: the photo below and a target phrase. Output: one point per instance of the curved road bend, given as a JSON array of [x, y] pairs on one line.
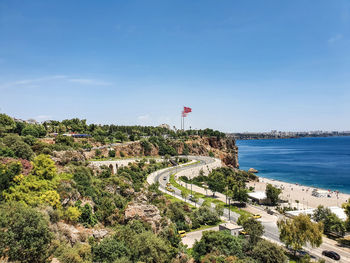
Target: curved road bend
[[270, 227]]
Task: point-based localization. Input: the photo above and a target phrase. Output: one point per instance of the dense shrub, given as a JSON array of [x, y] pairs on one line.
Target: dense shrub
[[221, 242], [27, 237]]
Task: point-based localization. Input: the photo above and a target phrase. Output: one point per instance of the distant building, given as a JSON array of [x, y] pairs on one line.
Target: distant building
[[233, 228], [31, 121], [258, 197], [334, 209], [166, 126]]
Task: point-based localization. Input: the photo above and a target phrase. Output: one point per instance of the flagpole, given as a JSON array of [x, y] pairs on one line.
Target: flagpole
[[181, 122], [184, 123]]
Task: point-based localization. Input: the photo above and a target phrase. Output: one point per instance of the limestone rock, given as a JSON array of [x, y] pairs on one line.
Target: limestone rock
[[252, 170], [64, 157], [99, 234], [145, 212], [73, 234]]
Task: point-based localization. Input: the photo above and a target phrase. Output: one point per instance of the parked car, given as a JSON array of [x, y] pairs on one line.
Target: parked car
[[182, 233], [331, 254], [270, 212], [256, 216], [164, 178], [242, 232], [170, 189]]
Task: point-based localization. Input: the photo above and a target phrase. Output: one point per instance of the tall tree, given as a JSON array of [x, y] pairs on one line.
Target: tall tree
[[254, 229], [216, 181], [296, 232], [331, 222], [6, 123], [272, 193]]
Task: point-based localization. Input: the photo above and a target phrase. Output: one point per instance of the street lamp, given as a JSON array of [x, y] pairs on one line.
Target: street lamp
[[229, 209]]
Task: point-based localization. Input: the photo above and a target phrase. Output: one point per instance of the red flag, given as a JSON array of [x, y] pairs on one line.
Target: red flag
[[187, 109]]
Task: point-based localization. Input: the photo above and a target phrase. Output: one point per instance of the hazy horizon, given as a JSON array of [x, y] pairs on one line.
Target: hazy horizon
[[242, 66]]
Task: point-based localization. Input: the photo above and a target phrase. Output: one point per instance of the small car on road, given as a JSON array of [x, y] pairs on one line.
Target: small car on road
[[256, 216], [243, 233], [170, 189], [331, 254], [182, 233]]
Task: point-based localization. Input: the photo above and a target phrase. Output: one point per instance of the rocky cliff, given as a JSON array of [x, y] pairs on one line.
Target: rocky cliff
[[225, 149]]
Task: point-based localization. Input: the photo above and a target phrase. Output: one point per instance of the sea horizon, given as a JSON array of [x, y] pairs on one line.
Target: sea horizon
[[320, 162]]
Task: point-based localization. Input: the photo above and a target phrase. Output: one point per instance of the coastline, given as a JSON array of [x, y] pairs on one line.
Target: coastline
[[300, 196]]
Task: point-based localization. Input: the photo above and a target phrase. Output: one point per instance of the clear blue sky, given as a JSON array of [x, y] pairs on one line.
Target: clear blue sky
[[241, 65]]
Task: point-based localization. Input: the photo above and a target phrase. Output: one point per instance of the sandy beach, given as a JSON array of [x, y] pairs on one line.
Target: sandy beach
[[292, 192]]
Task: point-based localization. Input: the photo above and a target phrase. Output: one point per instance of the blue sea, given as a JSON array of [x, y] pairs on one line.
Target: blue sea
[[318, 162]]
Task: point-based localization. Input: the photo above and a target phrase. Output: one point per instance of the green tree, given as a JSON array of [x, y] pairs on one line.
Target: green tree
[[331, 222], [267, 252], [184, 194], [109, 250], [18, 146], [221, 242], [254, 229], [6, 123], [7, 174], [72, 214], [64, 140], [149, 248], [44, 167], [111, 153], [240, 194], [296, 232], [346, 207], [272, 194], [242, 219], [204, 215], [24, 234], [216, 181], [105, 210], [87, 218], [147, 147], [30, 130]]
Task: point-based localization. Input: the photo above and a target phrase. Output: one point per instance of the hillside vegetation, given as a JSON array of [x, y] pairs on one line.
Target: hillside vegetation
[[56, 207]]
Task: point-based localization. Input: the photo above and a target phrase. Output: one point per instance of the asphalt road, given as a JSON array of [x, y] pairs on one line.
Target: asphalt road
[[271, 230]]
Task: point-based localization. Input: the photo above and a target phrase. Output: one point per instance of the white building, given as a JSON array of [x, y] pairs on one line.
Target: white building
[[334, 209], [259, 197], [233, 228]]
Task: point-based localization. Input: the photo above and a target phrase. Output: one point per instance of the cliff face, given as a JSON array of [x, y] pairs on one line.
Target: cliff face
[[225, 149]]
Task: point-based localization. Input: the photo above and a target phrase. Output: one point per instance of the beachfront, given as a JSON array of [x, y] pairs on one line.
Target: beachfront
[[294, 193]]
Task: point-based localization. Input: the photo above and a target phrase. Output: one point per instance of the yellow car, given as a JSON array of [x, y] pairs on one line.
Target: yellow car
[[168, 184], [170, 189], [256, 216], [182, 233], [242, 232]]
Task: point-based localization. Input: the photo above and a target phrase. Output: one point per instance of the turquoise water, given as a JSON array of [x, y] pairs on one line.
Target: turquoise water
[[318, 162]]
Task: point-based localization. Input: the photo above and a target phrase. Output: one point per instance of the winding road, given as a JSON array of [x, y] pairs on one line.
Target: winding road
[[269, 222]]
